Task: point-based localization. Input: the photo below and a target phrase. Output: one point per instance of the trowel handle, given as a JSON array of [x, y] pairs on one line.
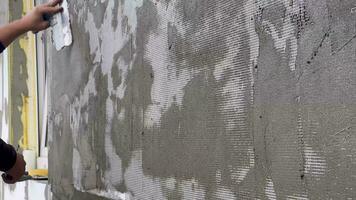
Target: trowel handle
[[25, 177]]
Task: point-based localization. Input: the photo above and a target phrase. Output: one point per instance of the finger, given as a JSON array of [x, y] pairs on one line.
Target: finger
[[42, 26], [53, 3], [3, 176], [7, 179], [51, 10]]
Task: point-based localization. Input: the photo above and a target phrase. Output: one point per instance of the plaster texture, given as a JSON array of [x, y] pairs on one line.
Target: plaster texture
[[206, 99]]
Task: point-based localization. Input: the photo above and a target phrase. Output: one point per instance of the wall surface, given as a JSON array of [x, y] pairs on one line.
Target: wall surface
[[205, 99], [18, 76], [22, 69]]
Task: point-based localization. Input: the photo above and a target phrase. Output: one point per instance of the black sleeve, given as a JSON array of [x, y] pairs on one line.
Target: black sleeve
[[2, 47], [7, 156]]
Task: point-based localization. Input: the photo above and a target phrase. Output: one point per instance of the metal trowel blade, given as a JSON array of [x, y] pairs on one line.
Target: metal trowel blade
[[61, 28]]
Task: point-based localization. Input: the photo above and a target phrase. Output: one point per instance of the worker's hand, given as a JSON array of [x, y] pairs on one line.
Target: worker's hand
[[37, 20], [16, 172]]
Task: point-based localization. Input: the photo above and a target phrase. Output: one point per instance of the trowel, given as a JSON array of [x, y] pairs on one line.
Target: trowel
[[61, 29]]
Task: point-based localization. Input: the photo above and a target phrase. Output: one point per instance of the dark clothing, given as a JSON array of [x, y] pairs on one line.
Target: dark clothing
[[7, 156], [7, 152], [2, 47]]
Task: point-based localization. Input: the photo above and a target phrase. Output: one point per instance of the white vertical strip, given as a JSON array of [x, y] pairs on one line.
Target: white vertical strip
[[5, 95]]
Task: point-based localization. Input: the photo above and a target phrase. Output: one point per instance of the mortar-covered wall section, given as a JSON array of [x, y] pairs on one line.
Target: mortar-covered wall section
[[18, 77], [206, 99]]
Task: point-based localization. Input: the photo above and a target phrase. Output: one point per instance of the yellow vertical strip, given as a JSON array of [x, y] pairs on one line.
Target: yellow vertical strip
[[29, 111], [24, 120]]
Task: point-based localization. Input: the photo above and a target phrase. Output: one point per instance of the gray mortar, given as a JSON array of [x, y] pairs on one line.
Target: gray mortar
[[201, 131], [192, 141], [78, 56], [185, 132], [19, 75], [115, 11], [98, 11], [126, 137], [126, 55], [276, 104], [97, 122]]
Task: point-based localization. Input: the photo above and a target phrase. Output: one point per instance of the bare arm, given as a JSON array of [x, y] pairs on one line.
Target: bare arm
[[10, 32], [34, 21]]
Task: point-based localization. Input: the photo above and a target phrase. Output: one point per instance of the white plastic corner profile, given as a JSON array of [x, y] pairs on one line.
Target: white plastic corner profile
[[61, 30]]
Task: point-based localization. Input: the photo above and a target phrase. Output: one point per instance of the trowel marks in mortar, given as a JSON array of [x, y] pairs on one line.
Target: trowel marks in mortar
[[61, 32]]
